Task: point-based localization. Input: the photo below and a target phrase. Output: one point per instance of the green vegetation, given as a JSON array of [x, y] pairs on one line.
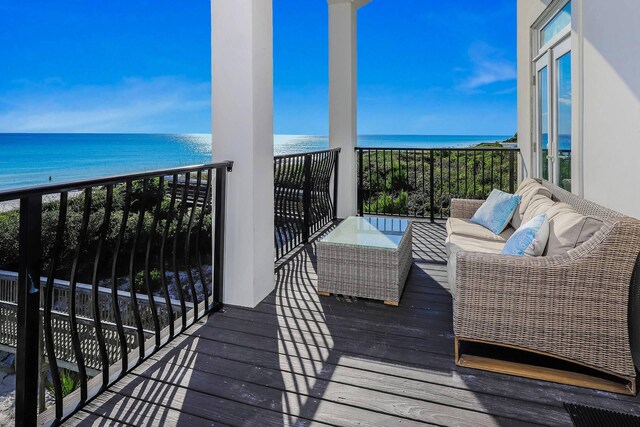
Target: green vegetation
[[155, 279], [398, 182], [68, 381], [513, 139], [141, 201]]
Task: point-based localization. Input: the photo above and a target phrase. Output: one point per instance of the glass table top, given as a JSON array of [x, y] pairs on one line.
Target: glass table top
[[376, 232]]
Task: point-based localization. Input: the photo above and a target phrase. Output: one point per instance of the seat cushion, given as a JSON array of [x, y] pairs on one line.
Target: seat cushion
[[528, 189], [464, 227], [456, 243]]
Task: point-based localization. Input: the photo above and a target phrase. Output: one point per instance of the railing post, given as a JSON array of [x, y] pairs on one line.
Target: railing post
[[335, 186], [512, 177], [431, 187], [306, 199], [28, 315], [219, 236], [360, 182]]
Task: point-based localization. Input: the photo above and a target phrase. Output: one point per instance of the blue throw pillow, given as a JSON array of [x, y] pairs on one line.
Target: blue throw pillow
[[496, 212], [530, 239]]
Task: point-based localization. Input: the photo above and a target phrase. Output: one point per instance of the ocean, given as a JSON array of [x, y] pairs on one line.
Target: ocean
[[33, 159]]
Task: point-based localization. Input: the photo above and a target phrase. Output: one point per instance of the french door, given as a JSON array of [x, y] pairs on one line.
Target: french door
[[553, 114]]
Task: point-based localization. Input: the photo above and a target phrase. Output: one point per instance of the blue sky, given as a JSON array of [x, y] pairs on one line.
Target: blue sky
[[425, 66]]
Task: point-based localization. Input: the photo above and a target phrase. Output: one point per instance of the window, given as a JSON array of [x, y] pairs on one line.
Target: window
[[557, 25], [553, 104]]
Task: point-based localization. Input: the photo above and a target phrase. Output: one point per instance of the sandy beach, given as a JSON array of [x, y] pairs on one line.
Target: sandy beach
[[15, 204]]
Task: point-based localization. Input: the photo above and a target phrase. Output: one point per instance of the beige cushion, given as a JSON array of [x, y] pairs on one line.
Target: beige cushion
[[528, 189], [538, 205], [525, 184], [567, 228], [456, 243], [464, 227]]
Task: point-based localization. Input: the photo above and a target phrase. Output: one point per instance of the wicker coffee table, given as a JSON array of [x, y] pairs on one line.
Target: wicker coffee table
[[367, 258]]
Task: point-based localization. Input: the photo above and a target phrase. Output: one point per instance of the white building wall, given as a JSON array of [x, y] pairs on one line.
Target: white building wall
[[606, 98], [611, 145]]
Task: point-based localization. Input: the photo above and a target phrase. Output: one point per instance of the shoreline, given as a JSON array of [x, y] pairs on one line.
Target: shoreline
[[286, 145], [32, 158], [11, 205]]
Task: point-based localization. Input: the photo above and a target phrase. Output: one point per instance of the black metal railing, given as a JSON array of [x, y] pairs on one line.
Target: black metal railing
[[303, 202], [108, 271], [420, 183]]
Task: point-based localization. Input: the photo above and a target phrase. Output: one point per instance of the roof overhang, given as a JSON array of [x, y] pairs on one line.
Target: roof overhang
[[356, 3]]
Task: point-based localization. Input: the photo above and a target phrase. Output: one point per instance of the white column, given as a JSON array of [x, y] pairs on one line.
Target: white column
[[343, 112], [242, 91]]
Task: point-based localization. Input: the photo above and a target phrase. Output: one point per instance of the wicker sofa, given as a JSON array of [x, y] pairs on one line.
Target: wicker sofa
[[570, 305]]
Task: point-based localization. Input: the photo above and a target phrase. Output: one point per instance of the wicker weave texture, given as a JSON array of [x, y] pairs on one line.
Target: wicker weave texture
[[574, 306], [464, 208], [365, 272], [582, 206]]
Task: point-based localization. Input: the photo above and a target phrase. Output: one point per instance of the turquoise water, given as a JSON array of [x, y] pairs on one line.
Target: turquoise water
[[30, 159]]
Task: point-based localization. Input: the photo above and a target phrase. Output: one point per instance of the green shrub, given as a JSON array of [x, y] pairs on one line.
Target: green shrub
[[155, 281], [9, 227], [69, 383], [140, 200], [386, 203]]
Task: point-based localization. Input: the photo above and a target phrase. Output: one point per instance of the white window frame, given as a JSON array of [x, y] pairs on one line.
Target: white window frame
[[552, 11], [546, 56], [558, 51], [541, 63]]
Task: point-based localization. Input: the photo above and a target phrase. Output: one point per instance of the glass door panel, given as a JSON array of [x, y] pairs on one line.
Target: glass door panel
[[553, 99], [543, 122], [563, 108]]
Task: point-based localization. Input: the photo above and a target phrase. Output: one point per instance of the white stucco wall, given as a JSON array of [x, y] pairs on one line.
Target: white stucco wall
[[611, 153], [606, 98]]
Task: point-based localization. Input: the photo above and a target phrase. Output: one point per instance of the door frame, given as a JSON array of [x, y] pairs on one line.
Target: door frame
[[558, 51], [548, 59], [540, 64]]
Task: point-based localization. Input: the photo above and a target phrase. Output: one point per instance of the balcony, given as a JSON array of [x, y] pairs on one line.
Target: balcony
[[174, 355], [299, 359]]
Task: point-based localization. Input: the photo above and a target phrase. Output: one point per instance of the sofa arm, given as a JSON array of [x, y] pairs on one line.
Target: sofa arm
[[464, 208], [573, 306]]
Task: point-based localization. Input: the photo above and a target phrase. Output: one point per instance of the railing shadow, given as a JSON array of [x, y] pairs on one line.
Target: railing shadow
[[298, 358]]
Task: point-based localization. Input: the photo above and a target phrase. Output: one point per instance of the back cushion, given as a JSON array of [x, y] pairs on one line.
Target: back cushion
[[537, 205], [528, 189], [568, 229]]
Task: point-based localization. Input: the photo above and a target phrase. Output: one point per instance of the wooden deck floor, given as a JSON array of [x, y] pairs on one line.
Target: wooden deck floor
[[300, 359]]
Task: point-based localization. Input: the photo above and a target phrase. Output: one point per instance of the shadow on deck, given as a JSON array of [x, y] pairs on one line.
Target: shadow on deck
[[300, 359]]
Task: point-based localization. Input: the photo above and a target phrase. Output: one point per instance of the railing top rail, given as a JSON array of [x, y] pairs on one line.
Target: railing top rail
[[42, 190], [515, 149], [305, 153]]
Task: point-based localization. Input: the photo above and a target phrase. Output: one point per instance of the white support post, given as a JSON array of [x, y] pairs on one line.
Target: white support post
[[343, 111], [242, 109]]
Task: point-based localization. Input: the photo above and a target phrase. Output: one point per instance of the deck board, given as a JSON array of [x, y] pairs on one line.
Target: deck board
[[302, 359]]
